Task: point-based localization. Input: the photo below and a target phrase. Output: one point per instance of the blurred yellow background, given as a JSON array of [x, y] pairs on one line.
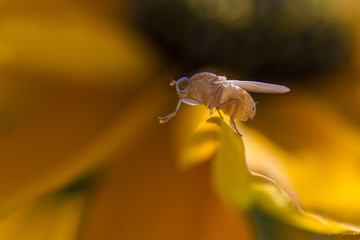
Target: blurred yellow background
[[83, 156]]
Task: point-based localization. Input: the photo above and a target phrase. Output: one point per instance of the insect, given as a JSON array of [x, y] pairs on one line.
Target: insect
[[218, 92]]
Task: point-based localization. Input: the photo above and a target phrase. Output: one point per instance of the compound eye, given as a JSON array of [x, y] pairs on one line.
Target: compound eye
[[183, 83]]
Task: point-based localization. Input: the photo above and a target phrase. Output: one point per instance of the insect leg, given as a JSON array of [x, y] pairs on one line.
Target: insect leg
[[218, 100], [190, 101], [167, 118], [211, 112], [233, 115], [185, 100], [232, 122]]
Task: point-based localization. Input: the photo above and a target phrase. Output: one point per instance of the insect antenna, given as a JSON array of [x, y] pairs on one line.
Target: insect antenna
[[170, 77], [173, 81], [190, 74]]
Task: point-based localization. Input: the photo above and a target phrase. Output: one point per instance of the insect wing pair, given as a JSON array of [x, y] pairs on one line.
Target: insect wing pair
[[253, 86]]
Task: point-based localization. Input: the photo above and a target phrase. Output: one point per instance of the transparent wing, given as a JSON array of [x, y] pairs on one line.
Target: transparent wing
[[253, 86]]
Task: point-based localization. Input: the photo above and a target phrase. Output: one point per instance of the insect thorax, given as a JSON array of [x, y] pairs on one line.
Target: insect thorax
[[202, 87]]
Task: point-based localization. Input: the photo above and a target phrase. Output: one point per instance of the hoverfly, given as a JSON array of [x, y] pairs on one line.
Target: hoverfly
[[218, 92]]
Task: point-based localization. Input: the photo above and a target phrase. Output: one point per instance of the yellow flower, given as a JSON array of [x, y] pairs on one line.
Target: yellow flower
[[82, 155]]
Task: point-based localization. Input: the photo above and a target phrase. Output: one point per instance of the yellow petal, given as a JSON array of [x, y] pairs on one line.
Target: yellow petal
[[73, 46], [229, 171], [322, 172], [67, 95], [202, 145], [244, 190], [57, 139], [51, 217]]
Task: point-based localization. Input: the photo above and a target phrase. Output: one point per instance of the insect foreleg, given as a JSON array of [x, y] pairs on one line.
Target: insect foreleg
[[188, 101], [167, 118]]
